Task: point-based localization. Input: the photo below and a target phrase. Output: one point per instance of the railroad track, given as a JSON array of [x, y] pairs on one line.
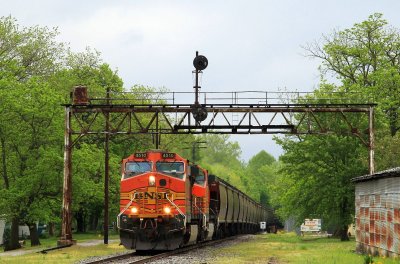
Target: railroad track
[[133, 258]]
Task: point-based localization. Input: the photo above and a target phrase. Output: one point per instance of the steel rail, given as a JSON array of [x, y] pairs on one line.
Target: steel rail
[[113, 258], [183, 250], [125, 257]]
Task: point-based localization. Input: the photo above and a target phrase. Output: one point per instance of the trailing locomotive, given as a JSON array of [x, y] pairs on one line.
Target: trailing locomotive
[[166, 202]]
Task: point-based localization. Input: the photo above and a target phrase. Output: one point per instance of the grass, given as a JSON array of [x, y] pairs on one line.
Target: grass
[[289, 248], [66, 255], [268, 248], [52, 241]]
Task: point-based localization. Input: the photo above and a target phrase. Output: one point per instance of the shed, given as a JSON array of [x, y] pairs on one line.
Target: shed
[[377, 202]]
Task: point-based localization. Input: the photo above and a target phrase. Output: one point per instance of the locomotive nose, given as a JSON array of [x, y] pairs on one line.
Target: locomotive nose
[[156, 180]]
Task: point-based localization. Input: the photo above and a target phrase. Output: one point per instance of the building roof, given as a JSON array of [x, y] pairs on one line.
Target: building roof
[[394, 172]]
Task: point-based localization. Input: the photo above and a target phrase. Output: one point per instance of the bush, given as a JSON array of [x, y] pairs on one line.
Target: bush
[[368, 259]]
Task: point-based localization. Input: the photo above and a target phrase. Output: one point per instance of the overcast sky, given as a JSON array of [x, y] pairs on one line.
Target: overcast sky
[[250, 45]]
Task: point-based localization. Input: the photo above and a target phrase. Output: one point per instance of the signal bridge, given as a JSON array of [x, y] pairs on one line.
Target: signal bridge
[[240, 112]]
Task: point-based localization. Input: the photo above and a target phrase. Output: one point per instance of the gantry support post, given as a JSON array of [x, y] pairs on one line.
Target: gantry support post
[[371, 141], [106, 171], [66, 226], [158, 135]]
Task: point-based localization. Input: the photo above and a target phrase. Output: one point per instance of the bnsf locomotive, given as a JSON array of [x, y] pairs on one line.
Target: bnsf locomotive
[[167, 202]]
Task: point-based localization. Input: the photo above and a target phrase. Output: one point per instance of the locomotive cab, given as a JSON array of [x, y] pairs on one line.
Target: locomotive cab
[[200, 227], [152, 205], [167, 202]]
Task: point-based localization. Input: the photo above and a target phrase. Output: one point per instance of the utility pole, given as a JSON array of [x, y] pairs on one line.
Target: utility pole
[[106, 170], [195, 145]]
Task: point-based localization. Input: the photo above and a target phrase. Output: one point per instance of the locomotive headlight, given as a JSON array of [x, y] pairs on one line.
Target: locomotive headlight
[[167, 210], [134, 210], [152, 180]]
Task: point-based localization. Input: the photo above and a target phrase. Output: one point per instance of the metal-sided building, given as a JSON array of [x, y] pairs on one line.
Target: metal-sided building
[[377, 201]]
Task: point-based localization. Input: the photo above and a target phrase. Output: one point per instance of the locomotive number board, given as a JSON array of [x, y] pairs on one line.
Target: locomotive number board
[[140, 155], [168, 155]]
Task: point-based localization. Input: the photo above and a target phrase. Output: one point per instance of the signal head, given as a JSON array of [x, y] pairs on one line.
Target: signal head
[[200, 62]]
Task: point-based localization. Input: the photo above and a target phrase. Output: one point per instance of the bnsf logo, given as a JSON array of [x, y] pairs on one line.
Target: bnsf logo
[[151, 195]]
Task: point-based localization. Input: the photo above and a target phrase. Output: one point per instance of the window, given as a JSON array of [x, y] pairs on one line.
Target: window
[[174, 169], [200, 178], [136, 168]]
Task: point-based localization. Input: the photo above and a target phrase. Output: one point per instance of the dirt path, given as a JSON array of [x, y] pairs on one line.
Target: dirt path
[[20, 252]]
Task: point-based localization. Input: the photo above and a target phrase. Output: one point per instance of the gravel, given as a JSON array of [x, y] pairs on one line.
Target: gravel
[[97, 258], [204, 255], [197, 256]]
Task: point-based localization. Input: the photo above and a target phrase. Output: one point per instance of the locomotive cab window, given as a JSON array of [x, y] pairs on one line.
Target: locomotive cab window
[[174, 169], [200, 178], [136, 168]]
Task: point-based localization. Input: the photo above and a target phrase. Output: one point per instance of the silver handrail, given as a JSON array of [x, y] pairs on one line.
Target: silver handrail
[[178, 209], [123, 211]]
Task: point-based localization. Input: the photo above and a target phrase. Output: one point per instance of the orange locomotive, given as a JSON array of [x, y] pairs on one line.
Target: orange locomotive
[[165, 204]]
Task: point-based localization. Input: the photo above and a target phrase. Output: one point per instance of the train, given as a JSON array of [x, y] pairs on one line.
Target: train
[[167, 202]]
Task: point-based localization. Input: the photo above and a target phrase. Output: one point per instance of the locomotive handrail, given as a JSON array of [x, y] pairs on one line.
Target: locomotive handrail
[[123, 211], [203, 214], [177, 208]]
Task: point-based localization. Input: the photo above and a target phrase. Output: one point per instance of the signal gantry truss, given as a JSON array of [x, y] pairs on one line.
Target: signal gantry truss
[[90, 116], [251, 114]]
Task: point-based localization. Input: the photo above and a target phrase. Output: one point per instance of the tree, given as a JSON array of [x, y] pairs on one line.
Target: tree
[[315, 179], [366, 59], [32, 154], [221, 157], [259, 174], [316, 171], [28, 57]]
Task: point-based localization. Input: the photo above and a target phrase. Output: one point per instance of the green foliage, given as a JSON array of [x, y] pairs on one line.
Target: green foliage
[[365, 58], [315, 172], [314, 178], [220, 150], [221, 157], [368, 259], [259, 176], [36, 76], [28, 52]]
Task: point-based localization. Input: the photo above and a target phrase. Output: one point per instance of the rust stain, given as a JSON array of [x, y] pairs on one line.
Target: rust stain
[[389, 216], [372, 239], [377, 239], [390, 242], [377, 199], [372, 225], [80, 95], [396, 212], [397, 230]]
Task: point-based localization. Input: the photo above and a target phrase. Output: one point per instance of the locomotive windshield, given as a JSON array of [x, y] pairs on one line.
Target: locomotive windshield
[[200, 178], [136, 168], [175, 169]]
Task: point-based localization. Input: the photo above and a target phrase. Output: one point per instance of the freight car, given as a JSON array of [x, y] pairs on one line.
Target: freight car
[[167, 202]]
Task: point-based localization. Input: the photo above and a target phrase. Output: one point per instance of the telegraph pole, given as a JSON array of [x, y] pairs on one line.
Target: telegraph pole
[[106, 170], [195, 145]]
